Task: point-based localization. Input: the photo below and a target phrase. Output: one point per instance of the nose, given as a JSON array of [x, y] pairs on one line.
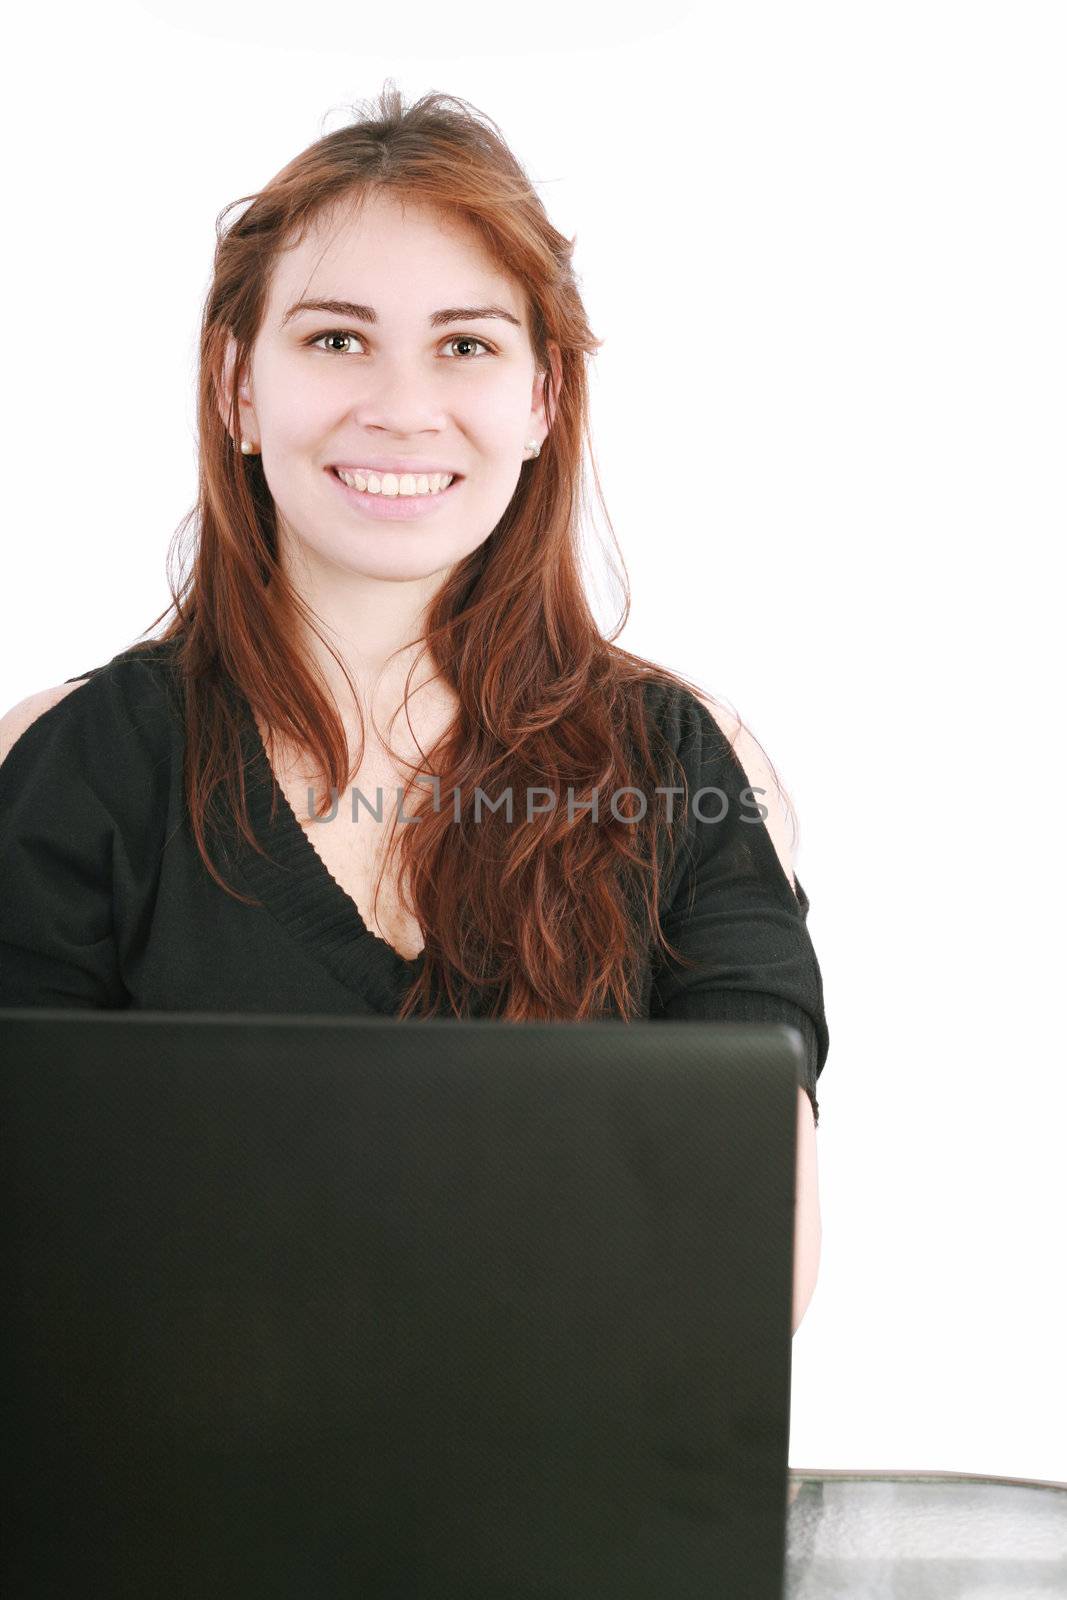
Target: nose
[[400, 398]]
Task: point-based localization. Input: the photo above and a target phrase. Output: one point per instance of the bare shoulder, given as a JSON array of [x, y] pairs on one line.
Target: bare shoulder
[[761, 779], [13, 723]]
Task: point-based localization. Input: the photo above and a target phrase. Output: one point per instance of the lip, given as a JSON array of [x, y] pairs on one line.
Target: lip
[[393, 507]]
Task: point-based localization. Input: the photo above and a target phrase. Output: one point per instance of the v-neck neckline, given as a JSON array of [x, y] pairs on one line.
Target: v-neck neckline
[[302, 894]]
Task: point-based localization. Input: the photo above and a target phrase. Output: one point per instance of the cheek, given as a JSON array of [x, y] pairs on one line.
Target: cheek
[[305, 406], [493, 415], [291, 399]]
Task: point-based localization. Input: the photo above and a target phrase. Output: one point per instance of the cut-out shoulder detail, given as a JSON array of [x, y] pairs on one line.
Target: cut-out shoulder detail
[[13, 723], [761, 780]]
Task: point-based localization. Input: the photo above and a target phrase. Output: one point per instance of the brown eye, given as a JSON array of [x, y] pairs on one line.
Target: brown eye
[[342, 336], [468, 338], [335, 334]]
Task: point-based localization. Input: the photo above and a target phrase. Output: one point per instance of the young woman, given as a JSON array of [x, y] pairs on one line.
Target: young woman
[[392, 414]]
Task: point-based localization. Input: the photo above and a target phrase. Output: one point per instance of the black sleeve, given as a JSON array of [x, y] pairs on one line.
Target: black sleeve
[[731, 906], [57, 843]]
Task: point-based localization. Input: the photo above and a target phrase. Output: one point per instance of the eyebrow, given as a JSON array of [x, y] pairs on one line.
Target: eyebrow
[[437, 319]]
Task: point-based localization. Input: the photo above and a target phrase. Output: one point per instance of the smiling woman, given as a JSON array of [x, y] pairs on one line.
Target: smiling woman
[[386, 390], [393, 413]]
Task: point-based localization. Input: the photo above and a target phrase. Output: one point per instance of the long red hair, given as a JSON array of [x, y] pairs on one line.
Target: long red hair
[[543, 919]]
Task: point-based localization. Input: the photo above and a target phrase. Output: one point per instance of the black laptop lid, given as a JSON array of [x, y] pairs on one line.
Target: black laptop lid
[[313, 1308]]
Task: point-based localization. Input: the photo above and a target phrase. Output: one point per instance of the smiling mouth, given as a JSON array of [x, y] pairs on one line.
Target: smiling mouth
[[395, 508], [397, 494]]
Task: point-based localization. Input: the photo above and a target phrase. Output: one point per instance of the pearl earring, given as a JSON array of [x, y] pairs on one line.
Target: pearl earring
[[532, 444], [247, 447]]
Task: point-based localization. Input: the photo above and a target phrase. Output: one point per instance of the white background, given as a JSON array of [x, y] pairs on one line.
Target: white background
[[825, 247]]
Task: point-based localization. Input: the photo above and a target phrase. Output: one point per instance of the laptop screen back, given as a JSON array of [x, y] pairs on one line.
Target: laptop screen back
[[318, 1307]]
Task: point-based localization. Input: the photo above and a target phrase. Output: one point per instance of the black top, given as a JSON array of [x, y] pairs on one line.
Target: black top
[[108, 903]]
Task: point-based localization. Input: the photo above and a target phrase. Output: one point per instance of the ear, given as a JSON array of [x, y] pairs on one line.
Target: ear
[[544, 408], [224, 391]]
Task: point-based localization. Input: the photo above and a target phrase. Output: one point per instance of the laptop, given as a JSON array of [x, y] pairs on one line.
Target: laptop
[[303, 1308]]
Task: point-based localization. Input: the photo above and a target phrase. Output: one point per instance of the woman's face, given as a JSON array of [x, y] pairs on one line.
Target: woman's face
[[385, 376]]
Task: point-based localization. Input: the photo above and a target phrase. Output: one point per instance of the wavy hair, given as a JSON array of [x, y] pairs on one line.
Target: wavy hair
[[546, 918]]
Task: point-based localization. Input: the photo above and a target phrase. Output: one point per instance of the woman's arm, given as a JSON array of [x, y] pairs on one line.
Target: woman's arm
[[808, 1229], [58, 830]]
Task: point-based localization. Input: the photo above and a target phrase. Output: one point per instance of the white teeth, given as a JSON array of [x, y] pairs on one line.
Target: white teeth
[[390, 483]]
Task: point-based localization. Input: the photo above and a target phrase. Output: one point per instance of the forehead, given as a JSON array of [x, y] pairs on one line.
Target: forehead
[[384, 251]]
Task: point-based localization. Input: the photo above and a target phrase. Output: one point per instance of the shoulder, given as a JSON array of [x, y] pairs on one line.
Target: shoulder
[[762, 779], [14, 723], [700, 724], [126, 700]]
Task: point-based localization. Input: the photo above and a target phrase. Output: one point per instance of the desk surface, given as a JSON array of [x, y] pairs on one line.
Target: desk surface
[[924, 1536]]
